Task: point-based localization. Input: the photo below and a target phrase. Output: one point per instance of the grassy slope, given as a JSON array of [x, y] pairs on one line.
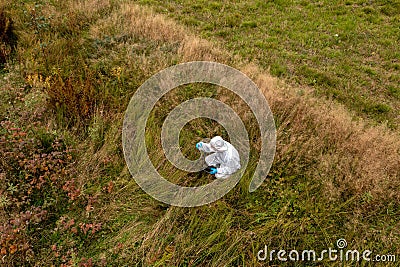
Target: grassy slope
[[345, 50], [332, 178]]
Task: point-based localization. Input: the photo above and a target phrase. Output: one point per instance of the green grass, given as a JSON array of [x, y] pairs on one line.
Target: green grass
[[346, 50]]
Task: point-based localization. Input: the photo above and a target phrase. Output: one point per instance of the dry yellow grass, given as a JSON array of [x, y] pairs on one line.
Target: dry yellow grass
[[150, 25], [193, 48]]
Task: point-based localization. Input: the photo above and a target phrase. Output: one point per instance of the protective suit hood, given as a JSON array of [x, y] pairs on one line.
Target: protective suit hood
[[218, 144]]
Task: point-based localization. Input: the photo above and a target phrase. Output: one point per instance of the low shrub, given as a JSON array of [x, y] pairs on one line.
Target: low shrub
[[7, 37]]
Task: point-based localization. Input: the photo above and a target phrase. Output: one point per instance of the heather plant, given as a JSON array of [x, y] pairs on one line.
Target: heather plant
[[33, 170], [37, 187]]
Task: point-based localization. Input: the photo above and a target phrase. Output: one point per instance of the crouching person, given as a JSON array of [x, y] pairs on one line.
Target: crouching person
[[224, 160]]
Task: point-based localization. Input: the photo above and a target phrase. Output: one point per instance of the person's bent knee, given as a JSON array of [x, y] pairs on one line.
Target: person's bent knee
[[210, 160]]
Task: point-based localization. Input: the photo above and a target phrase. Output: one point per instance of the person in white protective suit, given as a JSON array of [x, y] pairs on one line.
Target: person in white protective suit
[[224, 160]]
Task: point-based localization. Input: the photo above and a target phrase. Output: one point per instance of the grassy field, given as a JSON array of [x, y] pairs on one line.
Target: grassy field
[[345, 50], [67, 197]]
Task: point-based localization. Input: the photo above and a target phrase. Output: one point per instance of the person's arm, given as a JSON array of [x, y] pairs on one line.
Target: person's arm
[[205, 147]]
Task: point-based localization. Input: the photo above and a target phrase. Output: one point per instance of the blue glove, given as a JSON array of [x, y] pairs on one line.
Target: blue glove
[[213, 170], [198, 145]]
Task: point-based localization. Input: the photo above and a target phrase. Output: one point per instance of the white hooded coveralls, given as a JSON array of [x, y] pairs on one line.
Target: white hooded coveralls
[[225, 156]]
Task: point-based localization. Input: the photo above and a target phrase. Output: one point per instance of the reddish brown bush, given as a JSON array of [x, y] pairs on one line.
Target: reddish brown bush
[[74, 96], [33, 172]]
